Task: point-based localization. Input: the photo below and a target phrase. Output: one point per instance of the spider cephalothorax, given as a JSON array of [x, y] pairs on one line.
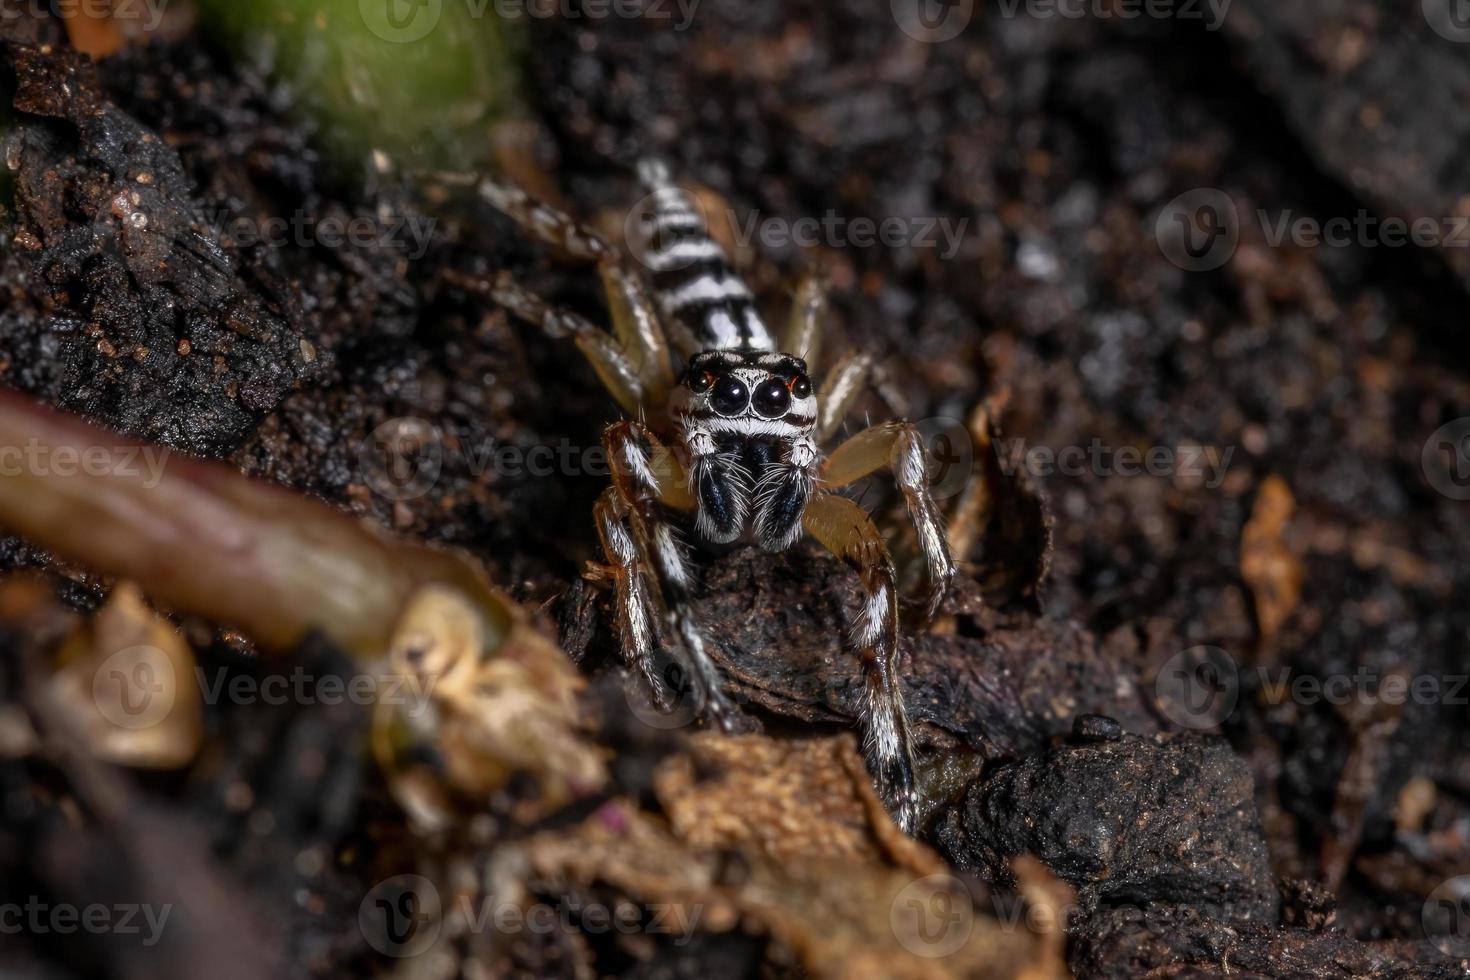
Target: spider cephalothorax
[[729, 450]]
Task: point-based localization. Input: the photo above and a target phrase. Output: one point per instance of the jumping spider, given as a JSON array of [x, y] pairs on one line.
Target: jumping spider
[[730, 450]]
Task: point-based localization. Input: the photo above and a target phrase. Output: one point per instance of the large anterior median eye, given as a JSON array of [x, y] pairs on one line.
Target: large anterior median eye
[[730, 396], [772, 399]]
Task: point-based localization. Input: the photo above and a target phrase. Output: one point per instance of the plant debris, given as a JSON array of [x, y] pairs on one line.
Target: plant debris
[[1084, 814]]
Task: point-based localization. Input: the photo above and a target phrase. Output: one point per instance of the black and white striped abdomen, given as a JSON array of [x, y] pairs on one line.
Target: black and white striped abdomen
[[692, 277]]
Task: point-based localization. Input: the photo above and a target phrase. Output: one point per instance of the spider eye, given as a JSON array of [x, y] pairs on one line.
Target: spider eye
[[699, 381], [772, 399], [801, 386], [730, 395]]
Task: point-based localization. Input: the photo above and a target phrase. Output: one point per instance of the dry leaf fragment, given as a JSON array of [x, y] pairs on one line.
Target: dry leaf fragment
[[127, 683], [1267, 564]]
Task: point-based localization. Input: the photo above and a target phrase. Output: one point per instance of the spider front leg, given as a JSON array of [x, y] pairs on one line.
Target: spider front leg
[[653, 571], [847, 531], [899, 447]]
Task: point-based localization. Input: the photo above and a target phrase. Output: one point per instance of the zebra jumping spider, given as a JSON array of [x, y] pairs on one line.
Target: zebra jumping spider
[[729, 451]]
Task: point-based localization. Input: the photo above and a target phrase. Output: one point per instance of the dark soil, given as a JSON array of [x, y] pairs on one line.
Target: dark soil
[[1295, 838]]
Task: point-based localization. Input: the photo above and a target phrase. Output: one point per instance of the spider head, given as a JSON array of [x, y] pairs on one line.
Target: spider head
[[756, 392]]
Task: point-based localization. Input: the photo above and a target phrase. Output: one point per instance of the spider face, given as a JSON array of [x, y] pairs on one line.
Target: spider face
[[747, 392]]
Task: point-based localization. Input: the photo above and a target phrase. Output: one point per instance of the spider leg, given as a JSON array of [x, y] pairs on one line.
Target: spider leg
[[848, 532], [647, 478], [618, 374], [636, 616], [636, 324], [841, 388], [899, 447], [803, 335]]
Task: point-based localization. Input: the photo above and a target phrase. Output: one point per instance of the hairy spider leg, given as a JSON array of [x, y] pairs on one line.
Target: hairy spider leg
[[899, 447], [847, 531], [640, 339], [646, 479]]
